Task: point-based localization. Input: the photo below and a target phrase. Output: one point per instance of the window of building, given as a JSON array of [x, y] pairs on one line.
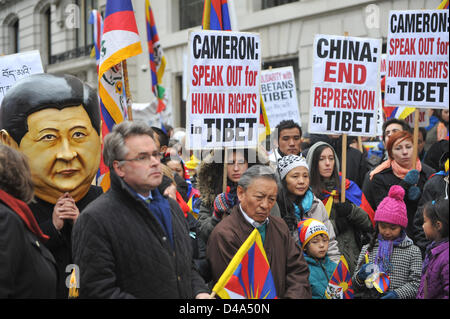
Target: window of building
[[191, 13], [47, 33], [15, 32], [266, 4], [84, 32], [10, 27]]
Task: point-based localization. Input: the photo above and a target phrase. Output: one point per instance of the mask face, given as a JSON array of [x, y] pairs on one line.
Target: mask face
[[63, 151]]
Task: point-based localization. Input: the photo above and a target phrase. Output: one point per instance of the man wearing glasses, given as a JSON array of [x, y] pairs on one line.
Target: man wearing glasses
[[132, 242]]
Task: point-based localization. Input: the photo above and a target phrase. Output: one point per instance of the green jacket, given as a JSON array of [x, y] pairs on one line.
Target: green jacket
[[320, 272]]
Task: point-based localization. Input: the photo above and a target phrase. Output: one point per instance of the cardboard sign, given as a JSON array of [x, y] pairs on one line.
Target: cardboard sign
[[417, 64], [279, 93], [224, 89], [424, 118], [17, 66], [345, 85]]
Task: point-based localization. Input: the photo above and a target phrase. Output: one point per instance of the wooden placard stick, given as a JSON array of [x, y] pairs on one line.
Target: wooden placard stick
[[415, 137], [225, 169]]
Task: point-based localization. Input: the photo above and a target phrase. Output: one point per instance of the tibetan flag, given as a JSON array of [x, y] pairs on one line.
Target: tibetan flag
[[443, 5], [96, 20], [248, 275], [216, 15], [398, 112], [340, 284], [354, 194], [119, 41], [156, 57], [120, 38], [263, 117]]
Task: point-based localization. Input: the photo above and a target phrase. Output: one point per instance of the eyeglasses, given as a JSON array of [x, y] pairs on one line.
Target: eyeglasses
[[143, 158]]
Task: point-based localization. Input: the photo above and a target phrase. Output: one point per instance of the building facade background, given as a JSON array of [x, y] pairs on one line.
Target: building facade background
[[59, 29]]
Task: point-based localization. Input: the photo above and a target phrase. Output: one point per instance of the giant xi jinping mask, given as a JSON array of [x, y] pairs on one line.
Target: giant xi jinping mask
[[55, 121]]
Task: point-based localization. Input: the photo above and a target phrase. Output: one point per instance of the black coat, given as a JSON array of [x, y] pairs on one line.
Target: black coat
[[435, 188], [59, 243], [123, 252], [378, 188], [27, 268]]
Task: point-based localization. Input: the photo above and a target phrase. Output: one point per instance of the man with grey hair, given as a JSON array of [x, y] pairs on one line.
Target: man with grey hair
[[132, 242], [257, 192]]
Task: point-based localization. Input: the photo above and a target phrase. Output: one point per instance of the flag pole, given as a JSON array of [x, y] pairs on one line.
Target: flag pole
[[343, 159], [415, 137], [127, 90]]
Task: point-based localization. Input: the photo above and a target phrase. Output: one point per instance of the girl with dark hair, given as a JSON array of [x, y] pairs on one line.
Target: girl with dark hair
[[351, 220], [297, 201], [435, 271]]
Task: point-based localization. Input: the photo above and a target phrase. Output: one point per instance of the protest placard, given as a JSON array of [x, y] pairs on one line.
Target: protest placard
[[417, 63], [224, 89], [424, 118], [17, 66], [280, 95], [345, 85]]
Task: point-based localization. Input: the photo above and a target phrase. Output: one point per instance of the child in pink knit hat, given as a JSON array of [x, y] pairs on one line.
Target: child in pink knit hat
[[391, 252]]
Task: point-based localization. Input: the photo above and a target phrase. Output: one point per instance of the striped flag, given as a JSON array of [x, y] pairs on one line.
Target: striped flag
[[340, 284], [248, 274], [443, 5], [216, 15], [157, 59], [96, 20], [120, 41]]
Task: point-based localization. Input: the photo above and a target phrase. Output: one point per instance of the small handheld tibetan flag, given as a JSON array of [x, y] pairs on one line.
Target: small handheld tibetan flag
[[248, 275], [340, 284]]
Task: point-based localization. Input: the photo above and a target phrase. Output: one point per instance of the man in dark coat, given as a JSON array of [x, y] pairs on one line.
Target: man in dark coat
[[132, 242], [257, 193]]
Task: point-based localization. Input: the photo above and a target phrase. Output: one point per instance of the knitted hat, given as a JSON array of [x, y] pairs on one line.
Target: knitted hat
[[289, 162], [392, 208], [309, 228]]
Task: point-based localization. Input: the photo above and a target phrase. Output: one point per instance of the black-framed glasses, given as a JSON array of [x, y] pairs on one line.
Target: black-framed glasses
[[144, 158]]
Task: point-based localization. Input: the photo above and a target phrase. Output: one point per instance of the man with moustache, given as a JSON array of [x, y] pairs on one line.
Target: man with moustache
[[54, 120], [132, 242]]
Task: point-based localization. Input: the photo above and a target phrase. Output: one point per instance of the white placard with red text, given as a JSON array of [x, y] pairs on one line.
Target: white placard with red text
[[224, 89], [345, 85], [417, 62]]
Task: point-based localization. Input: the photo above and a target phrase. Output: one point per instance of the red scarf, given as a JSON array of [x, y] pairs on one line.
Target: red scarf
[[22, 209]]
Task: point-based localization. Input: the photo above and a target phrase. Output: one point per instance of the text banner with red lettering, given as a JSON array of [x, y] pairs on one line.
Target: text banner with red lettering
[[417, 61], [224, 89], [345, 85]]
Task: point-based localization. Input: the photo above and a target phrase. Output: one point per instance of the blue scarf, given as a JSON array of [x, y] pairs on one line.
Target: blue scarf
[[383, 258], [306, 205]]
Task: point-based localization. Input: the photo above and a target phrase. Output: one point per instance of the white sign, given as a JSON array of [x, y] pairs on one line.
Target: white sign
[[280, 95], [18, 66], [224, 89], [417, 63], [424, 118], [345, 85]]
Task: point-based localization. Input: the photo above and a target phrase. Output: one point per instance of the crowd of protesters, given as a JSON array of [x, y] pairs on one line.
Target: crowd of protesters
[[168, 225]]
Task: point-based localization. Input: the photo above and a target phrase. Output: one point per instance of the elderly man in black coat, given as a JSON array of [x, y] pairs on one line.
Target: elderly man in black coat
[[132, 242]]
